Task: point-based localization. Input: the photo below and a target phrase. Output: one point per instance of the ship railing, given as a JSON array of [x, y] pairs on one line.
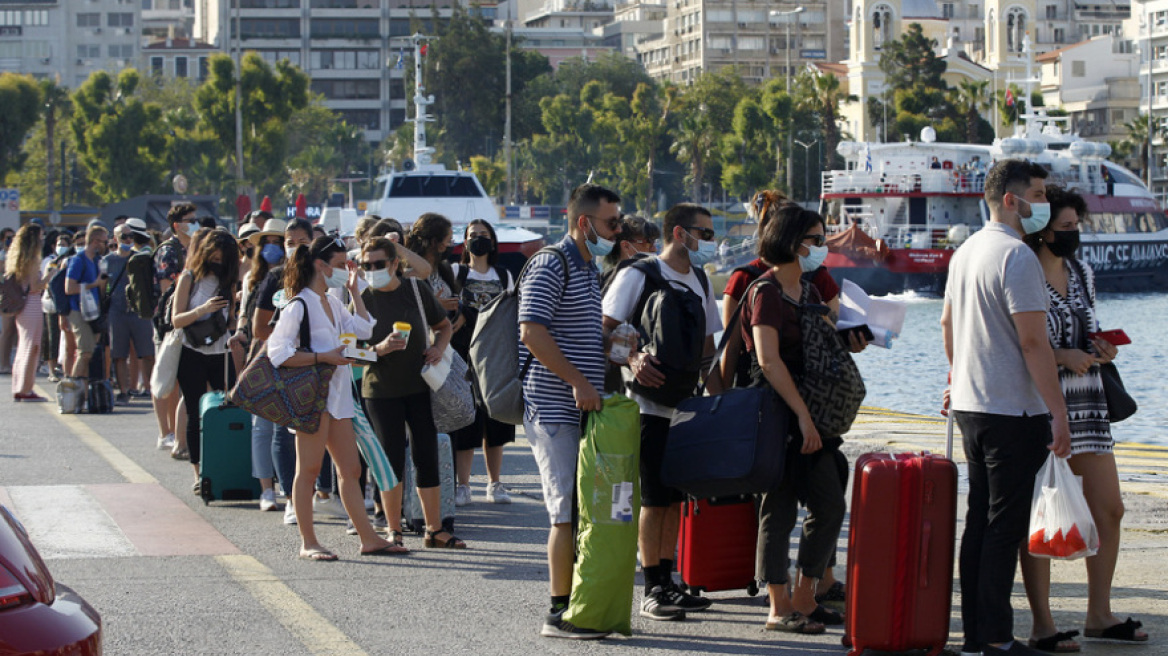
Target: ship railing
[[934, 236], [929, 181]]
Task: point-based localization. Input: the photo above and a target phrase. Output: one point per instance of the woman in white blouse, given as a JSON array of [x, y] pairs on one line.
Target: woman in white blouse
[[309, 274]]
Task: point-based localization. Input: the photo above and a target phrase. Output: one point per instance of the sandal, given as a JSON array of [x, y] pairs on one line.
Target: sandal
[[433, 542], [826, 616], [1055, 644], [180, 454], [398, 538], [834, 593], [796, 623], [318, 554], [1124, 631], [390, 549], [197, 487]]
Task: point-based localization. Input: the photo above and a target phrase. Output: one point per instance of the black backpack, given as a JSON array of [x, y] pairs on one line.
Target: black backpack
[[141, 289], [162, 311], [57, 286], [671, 323]]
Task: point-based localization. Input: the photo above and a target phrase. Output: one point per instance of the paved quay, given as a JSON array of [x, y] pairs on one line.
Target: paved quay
[[117, 522]]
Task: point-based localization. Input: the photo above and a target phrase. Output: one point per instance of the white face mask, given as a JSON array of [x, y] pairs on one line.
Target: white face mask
[[337, 278], [379, 279]]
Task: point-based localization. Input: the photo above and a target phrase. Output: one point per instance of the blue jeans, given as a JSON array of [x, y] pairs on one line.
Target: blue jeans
[[273, 448]]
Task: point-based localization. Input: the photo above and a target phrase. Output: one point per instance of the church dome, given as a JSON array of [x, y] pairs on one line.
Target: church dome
[[920, 9]]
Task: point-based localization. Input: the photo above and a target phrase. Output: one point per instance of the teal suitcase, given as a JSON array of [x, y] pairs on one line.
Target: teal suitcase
[[225, 463]]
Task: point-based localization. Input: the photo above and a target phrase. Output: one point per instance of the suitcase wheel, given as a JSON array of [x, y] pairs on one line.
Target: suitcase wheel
[[205, 491], [752, 588]]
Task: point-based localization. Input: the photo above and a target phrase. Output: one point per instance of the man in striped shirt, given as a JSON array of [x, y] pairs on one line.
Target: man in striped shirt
[[560, 324]]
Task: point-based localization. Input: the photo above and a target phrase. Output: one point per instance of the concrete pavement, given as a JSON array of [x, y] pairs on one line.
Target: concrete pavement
[[119, 524]]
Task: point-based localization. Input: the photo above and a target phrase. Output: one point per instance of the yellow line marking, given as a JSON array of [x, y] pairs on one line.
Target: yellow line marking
[[301, 620], [99, 445]]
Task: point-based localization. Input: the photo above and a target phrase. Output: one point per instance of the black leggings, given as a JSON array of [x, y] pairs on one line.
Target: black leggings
[[197, 371], [389, 418]]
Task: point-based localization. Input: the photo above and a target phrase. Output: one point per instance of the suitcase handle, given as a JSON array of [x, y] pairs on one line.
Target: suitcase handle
[[926, 538]]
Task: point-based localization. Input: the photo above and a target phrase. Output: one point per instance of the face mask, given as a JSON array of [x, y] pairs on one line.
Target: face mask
[[192, 228], [337, 278], [1065, 243], [480, 246], [1039, 217], [813, 259], [61, 250], [601, 246], [216, 269], [123, 246], [706, 252], [289, 251], [378, 279], [271, 254]]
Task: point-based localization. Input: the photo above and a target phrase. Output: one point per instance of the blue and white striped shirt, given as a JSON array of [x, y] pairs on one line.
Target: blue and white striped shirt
[[573, 318]]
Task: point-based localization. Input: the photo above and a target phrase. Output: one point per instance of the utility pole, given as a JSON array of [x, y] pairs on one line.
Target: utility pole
[[510, 192], [239, 189], [1151, 119], [788, 16]]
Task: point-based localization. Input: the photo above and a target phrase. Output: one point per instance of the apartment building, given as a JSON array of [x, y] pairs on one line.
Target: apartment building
[[69, 39], [163, 19]]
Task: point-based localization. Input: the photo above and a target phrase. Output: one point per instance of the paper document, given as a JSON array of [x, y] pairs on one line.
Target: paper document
[[884, 316]]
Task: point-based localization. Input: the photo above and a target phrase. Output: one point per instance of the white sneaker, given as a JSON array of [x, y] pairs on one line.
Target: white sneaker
[[496, 493], [462, 495], [166, 442], [289, 515], [330, 506], [268, 500]]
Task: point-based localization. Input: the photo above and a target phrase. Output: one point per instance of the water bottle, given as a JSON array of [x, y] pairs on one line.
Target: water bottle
[[623, 341]]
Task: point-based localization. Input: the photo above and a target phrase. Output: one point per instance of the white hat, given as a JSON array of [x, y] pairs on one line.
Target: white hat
[[247, 230], [272, 228], [137, 226]]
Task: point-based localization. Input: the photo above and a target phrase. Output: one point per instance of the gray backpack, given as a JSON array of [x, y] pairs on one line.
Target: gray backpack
[[494, 351]]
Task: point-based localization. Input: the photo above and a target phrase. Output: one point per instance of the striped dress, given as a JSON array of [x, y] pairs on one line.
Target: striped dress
[[1086, 402], [30, 325]]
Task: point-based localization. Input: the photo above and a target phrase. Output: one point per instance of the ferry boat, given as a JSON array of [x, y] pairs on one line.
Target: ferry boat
[[424, 186]]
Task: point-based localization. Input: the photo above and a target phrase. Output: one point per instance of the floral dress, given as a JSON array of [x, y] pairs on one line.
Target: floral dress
[[1086, 402]]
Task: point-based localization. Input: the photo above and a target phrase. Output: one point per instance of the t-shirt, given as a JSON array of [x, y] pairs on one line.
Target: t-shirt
[[399, 374], [573, 319], [821, 278], [115, 265], [771, 307], [621, 301], [85, 272], [266, 292], [992, 277]]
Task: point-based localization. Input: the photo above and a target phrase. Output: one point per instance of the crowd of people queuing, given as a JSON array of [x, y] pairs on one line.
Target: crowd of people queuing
[[1025, 375]]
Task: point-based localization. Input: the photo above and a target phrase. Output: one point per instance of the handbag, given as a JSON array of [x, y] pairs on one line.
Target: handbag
[[13, 295], [451, 399], [165, 371], [730, 444], [831, 384], [293, 397], [1120, 404], [208, 331]]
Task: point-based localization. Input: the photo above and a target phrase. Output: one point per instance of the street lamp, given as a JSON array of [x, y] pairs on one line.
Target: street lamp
[[806, 166], [786, 16]]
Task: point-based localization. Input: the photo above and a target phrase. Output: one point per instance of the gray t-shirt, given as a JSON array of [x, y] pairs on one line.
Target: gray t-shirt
[[992, 277]]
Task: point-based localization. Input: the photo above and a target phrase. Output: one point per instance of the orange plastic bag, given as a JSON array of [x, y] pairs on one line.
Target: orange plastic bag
[[1061, 525]]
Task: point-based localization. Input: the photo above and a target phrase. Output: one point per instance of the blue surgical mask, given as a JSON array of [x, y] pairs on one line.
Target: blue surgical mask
[[337, 278], [1039, 216], [379, 279], [601, 247], [61, 250], [192, 228], [123, 246], [706, 252], [272, 254], [813, 259]]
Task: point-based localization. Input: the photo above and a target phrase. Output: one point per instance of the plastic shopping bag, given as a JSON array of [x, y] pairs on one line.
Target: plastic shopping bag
[[1061, 525]]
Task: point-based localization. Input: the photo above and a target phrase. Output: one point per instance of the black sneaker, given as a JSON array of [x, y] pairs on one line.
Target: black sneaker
[[555, 626], [657, 605], [684, 600]]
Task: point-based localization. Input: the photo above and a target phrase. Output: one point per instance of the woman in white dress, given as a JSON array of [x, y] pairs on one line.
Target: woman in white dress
[[309, 274]]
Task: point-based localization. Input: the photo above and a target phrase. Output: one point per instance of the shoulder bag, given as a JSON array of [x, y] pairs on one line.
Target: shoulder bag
[[293, 397], [12, 296], [1120, 404], [831, 384], [451, 399]]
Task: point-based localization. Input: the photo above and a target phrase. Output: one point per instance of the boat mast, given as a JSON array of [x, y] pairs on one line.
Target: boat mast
[[507, 125], [422, 152]]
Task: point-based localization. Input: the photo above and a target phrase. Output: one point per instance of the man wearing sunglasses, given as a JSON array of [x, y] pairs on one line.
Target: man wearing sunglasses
[[660, 375]]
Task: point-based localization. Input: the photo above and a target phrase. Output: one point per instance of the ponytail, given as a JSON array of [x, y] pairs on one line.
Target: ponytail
[[298, 271]]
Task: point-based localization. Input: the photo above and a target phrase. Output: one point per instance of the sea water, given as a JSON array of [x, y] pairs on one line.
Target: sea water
[[911, 376]]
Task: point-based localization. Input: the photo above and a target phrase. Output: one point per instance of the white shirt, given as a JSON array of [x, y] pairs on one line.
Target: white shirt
[[621, 301], [325, 336]]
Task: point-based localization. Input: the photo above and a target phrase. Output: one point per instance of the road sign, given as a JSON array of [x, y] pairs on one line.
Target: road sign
[[10, 208]]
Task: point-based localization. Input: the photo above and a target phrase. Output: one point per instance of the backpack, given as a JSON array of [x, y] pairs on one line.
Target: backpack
[[100, 398], [461, 339], [57, 286], [12, 296], [141, 289], [607, 277], [671, 324], [494, 350], [162, 312]]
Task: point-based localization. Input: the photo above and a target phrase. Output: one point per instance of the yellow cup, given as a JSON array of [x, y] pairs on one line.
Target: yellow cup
[[403, 329]]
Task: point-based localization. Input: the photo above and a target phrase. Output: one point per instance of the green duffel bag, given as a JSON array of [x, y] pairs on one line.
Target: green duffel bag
[[608, 486]]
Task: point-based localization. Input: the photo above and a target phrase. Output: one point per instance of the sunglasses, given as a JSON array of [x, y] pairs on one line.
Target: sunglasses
[[375, 265], [704, 234], [818, 240], [613, 224], [126, 238]]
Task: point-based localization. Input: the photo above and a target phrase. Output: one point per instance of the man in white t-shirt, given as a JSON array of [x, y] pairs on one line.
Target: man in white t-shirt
[[688, 234]]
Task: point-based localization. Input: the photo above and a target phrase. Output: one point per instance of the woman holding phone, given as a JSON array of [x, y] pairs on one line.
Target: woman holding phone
[[1070, 324]]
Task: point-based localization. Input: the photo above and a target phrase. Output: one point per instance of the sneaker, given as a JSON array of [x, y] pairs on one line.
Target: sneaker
[[496, 493], [462, 495], [330, 506], [268, 500], [555, 626], [349, 528], [289, 515], [139, 394], [165, 442], [656, 606], [122, 399], [379, 523], [684, 600]]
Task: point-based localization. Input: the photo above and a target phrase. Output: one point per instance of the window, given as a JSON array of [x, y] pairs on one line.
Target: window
[[180, 67], [268, 4], [343, 28], [751, 43], [89, 20], [368, 119], [121, 51], [1162, 88], [274, 56], [1060, 35], [120, 20], [269, 28], [88, 51], [36, 18], [1078, 68], [1051, 12], [348, 89], [947, 10], [156, 66], [203, 70]]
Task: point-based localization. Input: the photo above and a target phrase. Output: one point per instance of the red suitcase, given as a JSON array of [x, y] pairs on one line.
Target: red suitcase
[[716, 545], [900, 553]]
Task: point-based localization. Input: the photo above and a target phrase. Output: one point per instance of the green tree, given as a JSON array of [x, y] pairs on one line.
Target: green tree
[[56, 105], [911, 60], [970, 100], [120, 139], [694, 145], [821, 95], [706, 111], [1011, 103], [21, 99], [746, 155], [644, 133], [491, 173], [1140, 131]]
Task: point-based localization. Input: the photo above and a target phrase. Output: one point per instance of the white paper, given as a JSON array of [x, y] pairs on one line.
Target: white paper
[[622, 501], [884, 316]]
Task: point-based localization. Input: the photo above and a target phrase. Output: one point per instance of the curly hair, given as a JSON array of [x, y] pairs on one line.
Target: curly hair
[[427, 233], [24, 256]]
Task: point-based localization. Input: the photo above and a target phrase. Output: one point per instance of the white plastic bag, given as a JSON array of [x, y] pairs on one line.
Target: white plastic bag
[[90, 307], [166, 364], [1061, 526]]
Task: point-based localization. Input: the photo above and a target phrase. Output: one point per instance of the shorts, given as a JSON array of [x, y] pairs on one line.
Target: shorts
[[127, 328], [82, 332], [484, 429], [654, 436], [555, 447]]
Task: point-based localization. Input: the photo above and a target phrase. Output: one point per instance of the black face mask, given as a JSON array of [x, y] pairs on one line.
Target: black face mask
[[1065, 243], [447, 253], [216, 269], [480, 245]]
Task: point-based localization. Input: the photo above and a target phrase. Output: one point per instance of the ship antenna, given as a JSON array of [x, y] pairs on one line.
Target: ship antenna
[[422, 152]]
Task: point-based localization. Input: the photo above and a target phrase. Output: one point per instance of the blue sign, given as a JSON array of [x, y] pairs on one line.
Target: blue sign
[[813, 54]]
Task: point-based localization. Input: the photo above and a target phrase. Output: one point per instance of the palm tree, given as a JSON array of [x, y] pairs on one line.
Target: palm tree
[[694, 145], [1140, 131], [821, 93], [970, 100]]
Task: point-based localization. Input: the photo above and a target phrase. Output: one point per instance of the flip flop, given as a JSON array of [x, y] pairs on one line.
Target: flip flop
[[319, 555], [1124, 631], [1054, 644], [390, 549], [796, 623]]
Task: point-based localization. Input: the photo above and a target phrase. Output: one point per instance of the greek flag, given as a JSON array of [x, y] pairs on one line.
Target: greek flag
[[401, 60], [867, 158]]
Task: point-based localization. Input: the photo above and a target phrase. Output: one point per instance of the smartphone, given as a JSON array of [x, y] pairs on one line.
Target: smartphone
[[862, 329], [1116, 337]]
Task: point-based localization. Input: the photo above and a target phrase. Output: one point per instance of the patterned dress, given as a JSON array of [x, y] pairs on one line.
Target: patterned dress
[[1086, 403]]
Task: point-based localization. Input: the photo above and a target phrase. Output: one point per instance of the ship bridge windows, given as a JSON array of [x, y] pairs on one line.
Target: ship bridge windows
[[1120, 176], [441, 186]]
